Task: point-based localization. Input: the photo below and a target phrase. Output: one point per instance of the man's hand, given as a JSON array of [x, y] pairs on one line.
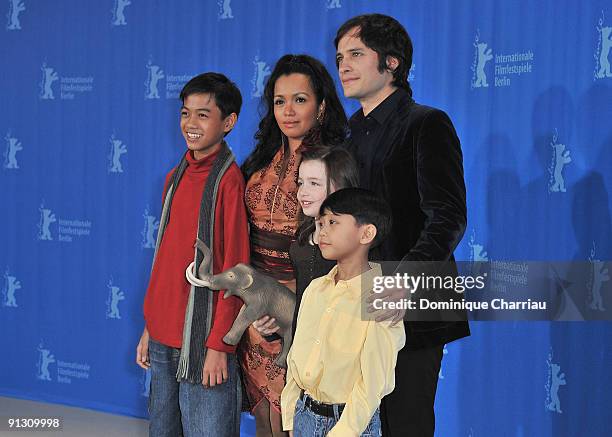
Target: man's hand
[[142, 350], [215, 368], [395, 295], [266, 325]]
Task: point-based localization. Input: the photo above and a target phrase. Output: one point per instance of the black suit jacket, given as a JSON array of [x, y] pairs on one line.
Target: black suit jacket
[[421, 177]]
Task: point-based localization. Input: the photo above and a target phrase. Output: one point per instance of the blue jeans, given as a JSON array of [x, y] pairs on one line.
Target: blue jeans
[[308, 424], [178, 409]]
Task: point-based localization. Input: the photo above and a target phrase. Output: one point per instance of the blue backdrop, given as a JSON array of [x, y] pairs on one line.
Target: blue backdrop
[[90, 122]]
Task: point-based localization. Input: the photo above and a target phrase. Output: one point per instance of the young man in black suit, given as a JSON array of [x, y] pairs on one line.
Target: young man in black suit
[[410, 155]]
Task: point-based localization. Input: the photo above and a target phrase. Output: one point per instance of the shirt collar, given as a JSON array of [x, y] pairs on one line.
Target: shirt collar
[[202, 165], [359, 284], [384, 108]]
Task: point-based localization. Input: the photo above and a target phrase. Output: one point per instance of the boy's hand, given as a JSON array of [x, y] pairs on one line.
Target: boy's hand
[[290, 433], [266, 325], [215, 368], [142, 350]]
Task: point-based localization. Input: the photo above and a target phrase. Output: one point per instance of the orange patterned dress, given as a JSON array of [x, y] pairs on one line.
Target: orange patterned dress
[[271, 199]]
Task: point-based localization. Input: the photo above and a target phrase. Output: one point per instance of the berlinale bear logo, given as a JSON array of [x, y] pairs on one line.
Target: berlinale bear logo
[[117, 149], [17, 6], [13, 145], [118, 12], [602, 53], [11, 285], [482, 55]]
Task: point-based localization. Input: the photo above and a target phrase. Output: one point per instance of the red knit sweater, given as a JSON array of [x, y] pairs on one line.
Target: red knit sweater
[[168, 292]]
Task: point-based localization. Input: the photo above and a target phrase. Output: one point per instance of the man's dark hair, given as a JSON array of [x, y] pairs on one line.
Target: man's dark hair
[[366, 207], [387, 37], [227, 95]]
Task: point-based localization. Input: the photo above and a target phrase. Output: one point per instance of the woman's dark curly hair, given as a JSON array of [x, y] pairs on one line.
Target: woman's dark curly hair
[[332, 129]]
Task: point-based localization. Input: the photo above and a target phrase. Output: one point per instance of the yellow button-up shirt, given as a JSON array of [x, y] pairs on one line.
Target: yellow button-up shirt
[[337, 357]]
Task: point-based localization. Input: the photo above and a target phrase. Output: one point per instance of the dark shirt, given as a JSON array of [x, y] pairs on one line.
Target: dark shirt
[[409, 154], [366, 133], [308, 264]]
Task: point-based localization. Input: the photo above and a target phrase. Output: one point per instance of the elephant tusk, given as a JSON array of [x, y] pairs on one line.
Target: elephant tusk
[[192, 279]]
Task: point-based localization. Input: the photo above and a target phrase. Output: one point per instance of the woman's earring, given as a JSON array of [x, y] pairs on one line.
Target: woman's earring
[[320, 116]]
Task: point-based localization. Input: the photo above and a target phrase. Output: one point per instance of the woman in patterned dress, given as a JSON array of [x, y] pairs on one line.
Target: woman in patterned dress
[[302, 108]]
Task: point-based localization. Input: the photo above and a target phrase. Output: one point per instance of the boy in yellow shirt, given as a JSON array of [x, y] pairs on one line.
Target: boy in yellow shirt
[[340, 365]]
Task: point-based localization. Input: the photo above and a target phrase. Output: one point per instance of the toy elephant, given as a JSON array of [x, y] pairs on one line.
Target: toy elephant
[[262, 295]]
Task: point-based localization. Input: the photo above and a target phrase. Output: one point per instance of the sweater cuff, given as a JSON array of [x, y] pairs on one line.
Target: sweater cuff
[[216, 343]]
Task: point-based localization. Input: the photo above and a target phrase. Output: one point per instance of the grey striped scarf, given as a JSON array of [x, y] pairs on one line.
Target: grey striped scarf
[[198, 315]]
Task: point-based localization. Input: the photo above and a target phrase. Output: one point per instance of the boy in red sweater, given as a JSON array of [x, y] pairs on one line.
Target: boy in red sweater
[[194, 376]]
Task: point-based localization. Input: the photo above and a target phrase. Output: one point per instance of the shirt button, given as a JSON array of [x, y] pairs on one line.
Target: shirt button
[[329, 310], [317, 341]]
